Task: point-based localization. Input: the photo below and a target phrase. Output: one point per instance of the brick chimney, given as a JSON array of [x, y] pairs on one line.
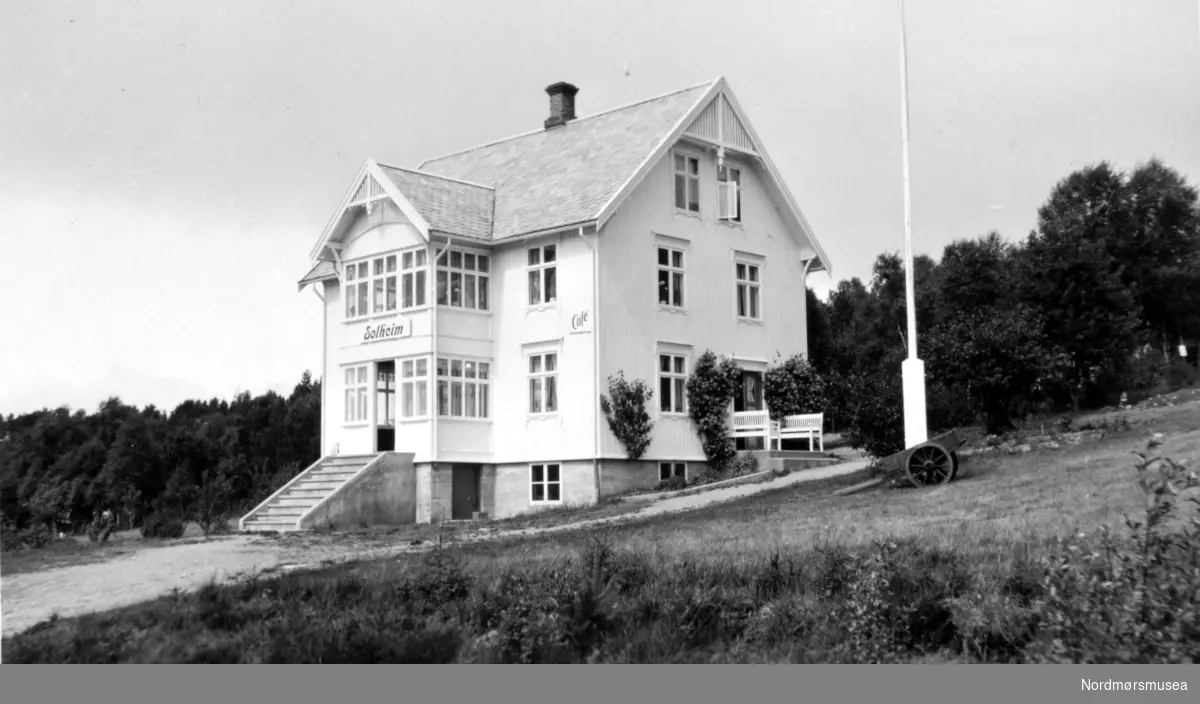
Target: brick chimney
[[562, 104]]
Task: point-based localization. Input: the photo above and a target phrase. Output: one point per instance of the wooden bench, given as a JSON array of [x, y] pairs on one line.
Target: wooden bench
[[809, 426], [755, 424]]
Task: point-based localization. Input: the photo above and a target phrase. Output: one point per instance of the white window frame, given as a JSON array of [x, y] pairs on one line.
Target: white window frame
[[473, 270], [412, 380], [356, 394], [414, 271], [672, 466], [543, 379], [367, 279], [689, 178], [724, 187], [545, 483], [751, 285], [477, 386], [542, 271], [678, 381], [672, 272]]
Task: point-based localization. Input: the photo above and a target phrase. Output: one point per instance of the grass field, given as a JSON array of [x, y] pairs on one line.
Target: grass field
[[1007, 563]]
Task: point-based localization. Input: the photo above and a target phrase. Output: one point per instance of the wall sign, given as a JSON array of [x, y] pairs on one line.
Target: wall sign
[[580, 321], [387, 330]]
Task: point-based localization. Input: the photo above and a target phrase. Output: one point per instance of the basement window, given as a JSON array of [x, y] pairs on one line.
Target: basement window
[[545, 483]]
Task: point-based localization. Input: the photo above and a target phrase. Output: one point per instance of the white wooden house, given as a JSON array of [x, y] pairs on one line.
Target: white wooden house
[[475, 306]]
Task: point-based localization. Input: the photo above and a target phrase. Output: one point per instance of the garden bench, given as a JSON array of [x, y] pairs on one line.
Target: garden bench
[[809, 426]]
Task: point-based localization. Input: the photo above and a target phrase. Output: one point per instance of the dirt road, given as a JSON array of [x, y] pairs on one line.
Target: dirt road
[[29, 598]]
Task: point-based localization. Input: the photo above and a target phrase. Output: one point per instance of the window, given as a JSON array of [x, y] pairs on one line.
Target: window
[[543, 383], [667, 470], [385, 394], [687, 183], [415, 266], [462, 279], [543, 270], [414, 388], [747, 291], [462, 388], [356, 394], [672, 383], [670, 277], [545, 483], [730, 190], [371, 285]]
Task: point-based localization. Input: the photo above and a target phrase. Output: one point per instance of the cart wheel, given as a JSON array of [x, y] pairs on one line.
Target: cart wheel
[[954, 471], [929, 464]]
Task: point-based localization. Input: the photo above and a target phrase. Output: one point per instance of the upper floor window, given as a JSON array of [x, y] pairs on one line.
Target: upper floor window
[[356, 394], [543, 274], [371, 285], [414, 388], [729, 184], [670, 277], [543, 383], [462, 279], [462, 388], [415, 268], [748, 284], [687, 183], [672, 383]]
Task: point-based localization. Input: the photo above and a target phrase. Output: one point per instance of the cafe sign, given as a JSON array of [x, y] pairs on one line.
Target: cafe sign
[[580, 321], [390, 330]]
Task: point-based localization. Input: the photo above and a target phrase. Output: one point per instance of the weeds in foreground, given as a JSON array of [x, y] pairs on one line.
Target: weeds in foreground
[[1130, 595]]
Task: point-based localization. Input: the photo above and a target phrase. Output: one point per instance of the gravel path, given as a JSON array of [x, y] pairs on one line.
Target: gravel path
[[30, 598]]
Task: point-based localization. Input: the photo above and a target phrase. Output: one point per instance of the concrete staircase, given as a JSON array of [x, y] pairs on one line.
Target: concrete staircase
[[283, 510]]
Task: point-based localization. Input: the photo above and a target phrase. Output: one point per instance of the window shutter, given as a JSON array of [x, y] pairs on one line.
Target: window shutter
[[727, 200]]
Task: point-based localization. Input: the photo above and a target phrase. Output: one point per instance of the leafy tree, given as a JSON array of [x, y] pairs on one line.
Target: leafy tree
[[625, 410]]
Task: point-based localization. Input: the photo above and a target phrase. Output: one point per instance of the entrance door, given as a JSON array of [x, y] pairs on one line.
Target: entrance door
[[750, 398], [464, 491], [385, 406]]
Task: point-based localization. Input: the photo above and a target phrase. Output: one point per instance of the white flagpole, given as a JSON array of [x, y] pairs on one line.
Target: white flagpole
[[913, 369]]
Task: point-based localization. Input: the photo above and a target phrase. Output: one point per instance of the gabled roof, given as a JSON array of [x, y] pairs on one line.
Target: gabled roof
[[323, 271], [577, 174], [450, 206], [566, 175]]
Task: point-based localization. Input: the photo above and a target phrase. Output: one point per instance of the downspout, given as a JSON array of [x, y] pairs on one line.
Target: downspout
[[595, 355], [324, 370], [433, 411]]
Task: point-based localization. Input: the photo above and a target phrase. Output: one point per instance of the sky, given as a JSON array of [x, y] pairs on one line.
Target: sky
[[165, 167]]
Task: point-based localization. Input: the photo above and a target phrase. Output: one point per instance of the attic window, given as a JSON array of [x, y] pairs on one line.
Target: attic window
[[729, 183], [687, 183]]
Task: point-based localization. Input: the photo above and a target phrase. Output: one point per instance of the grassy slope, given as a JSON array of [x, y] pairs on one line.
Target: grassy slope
[[983, 530]]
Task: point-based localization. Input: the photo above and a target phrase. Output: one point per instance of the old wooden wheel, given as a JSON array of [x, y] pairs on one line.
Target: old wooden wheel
[[929, 464]]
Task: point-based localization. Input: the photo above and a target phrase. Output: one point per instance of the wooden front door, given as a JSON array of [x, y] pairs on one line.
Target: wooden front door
[[464, 491]]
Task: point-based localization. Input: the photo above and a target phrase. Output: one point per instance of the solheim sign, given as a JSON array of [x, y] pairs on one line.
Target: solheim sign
[[391, 330]]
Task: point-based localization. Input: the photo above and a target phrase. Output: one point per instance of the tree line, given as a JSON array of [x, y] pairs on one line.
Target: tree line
[[1092, 303], [202, 461]]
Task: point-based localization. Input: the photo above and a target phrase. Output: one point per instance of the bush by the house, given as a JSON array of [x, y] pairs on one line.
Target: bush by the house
[[625, 410], [710, 389]]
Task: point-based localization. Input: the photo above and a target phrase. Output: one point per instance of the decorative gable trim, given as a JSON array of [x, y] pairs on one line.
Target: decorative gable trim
[[370, 185], [719, 124]]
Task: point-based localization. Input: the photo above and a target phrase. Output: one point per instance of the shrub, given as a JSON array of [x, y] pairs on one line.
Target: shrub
[[794, 387], [625, 410], [710, 389], [876, 410], [162, 525], [672, 484]]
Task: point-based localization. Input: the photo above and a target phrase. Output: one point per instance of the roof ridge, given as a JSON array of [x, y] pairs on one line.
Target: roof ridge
[[433, 175], [572, 122]]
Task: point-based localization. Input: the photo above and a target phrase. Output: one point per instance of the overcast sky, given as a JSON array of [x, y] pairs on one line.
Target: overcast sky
[[166, 166]]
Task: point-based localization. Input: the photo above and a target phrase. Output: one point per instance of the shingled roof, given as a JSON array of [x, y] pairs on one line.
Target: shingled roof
[[450, 206], [566, 175]]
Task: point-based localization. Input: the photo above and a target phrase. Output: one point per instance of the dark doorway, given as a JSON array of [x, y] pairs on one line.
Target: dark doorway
[[385, 406], [749, 398], [464, 491]]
